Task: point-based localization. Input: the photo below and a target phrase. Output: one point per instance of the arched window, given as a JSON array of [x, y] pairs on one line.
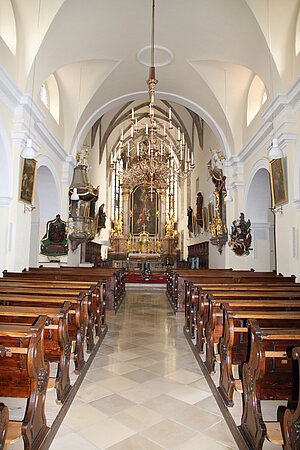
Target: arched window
[[257, 96], [44, 96], [49, 95]]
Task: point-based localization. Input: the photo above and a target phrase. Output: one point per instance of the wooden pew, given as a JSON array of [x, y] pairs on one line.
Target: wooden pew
[[234, 344], [199, 302], [113, 282], [97, 292], [268, 375], [4, 420], [57, 343], [24, 374], [100, 274], [78, 316], [291, 418], [214, 326]]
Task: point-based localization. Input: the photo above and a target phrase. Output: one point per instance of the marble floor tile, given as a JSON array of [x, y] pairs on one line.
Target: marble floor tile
[[144, 389], [169, 434]]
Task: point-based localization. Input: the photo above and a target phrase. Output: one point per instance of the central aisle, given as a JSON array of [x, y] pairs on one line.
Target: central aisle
[[144, 389]]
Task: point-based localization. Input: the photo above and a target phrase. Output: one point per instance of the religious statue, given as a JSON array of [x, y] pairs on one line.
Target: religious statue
[[170, 226], [117, 229], [218, 229], [55, 241], [199, 209], [157, 245], [241, 236], [190, 219], [101, 218]]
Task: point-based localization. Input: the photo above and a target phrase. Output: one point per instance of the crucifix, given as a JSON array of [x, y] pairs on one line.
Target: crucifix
[[144, 227]]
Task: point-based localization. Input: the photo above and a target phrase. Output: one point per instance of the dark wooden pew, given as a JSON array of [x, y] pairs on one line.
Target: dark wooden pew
[[291, 418], [234, 344], [24, 373], [97, 292], [214, 326], [78, 316], [197, 316], [268, 375], [57, 343], [4, 420]]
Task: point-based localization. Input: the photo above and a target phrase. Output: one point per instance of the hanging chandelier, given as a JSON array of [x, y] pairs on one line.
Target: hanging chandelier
[[152, 156]]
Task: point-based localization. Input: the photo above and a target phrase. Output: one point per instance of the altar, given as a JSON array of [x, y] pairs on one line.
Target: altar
[[142, 257]]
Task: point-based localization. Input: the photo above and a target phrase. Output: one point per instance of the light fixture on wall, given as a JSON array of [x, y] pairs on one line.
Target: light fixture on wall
[[228, 198], [275, 152], [28, 152], [149, 156]]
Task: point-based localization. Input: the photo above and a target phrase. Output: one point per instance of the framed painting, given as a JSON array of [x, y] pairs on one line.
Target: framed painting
[[278, 182], [143, 211], [27, 181], [205, 218]]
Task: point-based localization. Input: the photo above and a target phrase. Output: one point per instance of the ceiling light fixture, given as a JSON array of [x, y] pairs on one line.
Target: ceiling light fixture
[[154, 155]]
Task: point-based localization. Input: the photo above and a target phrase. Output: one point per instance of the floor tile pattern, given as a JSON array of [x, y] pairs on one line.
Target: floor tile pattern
[[144, 389]]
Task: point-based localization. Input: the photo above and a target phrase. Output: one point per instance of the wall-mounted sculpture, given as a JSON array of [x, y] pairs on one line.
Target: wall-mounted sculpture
[[218, 229], [55, 241], [241, 236], [199, 218]]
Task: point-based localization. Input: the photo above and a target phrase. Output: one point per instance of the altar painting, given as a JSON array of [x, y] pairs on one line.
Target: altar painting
[[143, 210]]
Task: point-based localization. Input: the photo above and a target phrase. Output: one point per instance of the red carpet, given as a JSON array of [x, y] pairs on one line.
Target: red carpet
[[157, 278]]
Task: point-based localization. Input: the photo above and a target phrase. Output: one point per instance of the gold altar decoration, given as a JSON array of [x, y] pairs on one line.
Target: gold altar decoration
[[117, 229], [218, 229], [144, 242], [170, 226], [150, 156]]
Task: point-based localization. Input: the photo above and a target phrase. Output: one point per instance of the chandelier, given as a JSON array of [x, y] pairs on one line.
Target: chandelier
[[151, 156]]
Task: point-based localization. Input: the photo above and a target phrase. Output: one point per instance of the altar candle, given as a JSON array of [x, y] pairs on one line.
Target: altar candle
[[138, 149], [146, 128], [132, 113], [128, 149], [178, 134], [165, 133], [131, 131], [192, 159], [170, 113], [182, 138]]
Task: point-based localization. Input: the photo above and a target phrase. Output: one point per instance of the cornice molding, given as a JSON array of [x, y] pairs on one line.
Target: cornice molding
[[10, 94], [276, 116]]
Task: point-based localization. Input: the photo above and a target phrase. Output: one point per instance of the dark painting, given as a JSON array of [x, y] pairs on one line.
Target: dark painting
[[144, 210], [27, 182]]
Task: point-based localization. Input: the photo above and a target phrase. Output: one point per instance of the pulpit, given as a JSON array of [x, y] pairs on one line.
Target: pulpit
[[118, 248]]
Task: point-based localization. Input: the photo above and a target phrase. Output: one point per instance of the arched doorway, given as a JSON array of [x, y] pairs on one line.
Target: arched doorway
[[257, 209], [47, 203]]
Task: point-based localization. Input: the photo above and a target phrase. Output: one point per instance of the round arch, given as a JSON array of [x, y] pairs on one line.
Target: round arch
[[257, 209], [81, 133], [47, 200]]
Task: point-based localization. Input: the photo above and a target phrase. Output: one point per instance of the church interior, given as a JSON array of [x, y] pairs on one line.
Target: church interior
[[150, 201]]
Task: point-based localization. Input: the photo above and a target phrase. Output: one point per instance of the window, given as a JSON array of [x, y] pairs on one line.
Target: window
[[44, 95]]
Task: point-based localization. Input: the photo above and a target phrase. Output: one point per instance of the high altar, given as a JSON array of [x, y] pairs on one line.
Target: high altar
[[143, 230]]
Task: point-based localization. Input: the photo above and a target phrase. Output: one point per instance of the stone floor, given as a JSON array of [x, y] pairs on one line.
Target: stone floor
[[144, 389]]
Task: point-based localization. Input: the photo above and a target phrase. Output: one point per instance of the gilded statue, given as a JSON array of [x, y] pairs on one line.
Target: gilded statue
[[117, 229], [170, 226]]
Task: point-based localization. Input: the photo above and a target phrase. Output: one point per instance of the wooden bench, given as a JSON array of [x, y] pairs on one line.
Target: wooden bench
[[97, 292], [4, 420], [78, 316], [214, 326], [57, 343], [24, 374], [234, 344], [291, 418], [268, 375], [199, 303]]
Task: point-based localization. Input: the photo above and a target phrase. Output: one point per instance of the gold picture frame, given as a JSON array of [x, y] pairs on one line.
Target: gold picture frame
[[205, 218], [27, 180], [278, 182]]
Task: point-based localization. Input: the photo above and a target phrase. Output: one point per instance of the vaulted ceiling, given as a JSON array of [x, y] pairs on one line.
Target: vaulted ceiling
[[210, 52]]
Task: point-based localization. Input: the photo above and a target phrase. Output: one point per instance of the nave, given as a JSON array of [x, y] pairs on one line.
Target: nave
[[144, 389]]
